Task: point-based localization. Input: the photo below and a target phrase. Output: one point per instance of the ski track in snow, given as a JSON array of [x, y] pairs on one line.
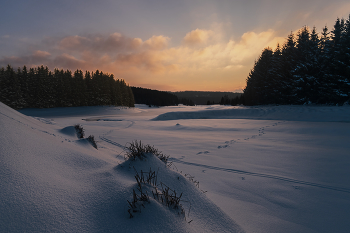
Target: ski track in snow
[[281, 178], [112, 142], [103, 137]]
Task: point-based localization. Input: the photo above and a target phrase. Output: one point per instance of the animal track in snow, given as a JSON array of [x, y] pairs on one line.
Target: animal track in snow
[[203, 152], [227, 144], [261, 132], [224, 146]]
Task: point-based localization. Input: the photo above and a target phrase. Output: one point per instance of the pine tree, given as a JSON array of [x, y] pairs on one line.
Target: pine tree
[[275, 83], [315, 75], [344, 62], [131, 97], [335, 66], [79, 88], [259, 79], [305, 73], [11, 88], [289, 63]]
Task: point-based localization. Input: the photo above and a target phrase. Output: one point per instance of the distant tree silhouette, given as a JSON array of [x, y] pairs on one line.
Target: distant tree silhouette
[[40, 88], [187, 102], [154, 97]]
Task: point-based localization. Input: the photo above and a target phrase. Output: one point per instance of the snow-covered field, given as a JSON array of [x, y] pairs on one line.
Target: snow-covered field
[[260, 169]]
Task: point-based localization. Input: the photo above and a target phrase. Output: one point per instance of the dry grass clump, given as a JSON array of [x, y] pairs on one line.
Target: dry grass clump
[[80, 134], [162, 193], [92, 141], [79, 130], [138, 200], [138, 150], [168, 197]]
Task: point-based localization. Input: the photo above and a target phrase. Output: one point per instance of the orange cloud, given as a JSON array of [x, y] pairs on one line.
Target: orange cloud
[[197, 36], [157, 42], [149, 61]]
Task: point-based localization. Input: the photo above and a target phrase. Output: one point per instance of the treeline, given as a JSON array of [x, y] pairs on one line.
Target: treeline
[[41, 88], [204, 97], [226, 100], [154, 97], [308, 68]]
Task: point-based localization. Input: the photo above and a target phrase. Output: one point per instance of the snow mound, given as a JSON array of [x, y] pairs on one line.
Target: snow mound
[[69, 130], [202, 214]]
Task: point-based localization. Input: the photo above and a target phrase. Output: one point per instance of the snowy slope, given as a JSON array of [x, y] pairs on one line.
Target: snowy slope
[[53, 182], [269, 168]]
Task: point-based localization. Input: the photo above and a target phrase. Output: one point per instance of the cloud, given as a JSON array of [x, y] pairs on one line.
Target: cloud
[[157, 42], [41, 54], [145, 60], [98, 43], [35, 59], [203, 61], [251, 45], [74, 42], [113, 43], [149, 61], [69, 62], [197, 36], [14, 61]]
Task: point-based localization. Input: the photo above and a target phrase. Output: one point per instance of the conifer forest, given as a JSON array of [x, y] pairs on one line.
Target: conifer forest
[[41, 88], [310, 68]]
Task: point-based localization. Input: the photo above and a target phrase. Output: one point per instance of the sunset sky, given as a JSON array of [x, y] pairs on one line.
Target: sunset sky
[[170, 45]]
